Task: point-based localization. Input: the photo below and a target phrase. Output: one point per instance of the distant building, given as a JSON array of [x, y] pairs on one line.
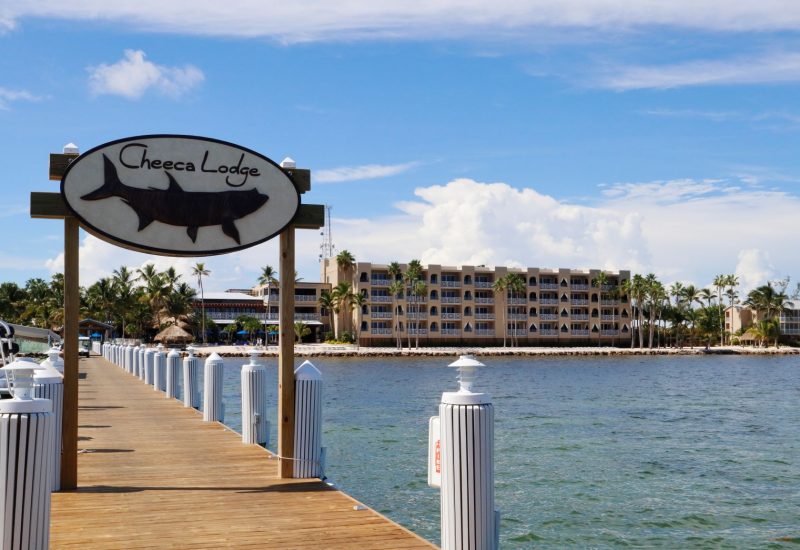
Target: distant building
[[740, 318]]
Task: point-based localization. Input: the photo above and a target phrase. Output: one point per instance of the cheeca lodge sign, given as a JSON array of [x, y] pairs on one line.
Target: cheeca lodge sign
[[179, 195]]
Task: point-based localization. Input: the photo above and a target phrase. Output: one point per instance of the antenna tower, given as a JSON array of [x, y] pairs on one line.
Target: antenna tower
[[327, 247]]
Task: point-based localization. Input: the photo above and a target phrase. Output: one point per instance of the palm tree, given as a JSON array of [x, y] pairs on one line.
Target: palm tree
[[123, 288], [300, 331], [199, 270], [720, 282], [412, 275], [328, 303], [731, 282], [691, 295], [707, 295], [515, 285], [268, 277], [347, 263], [627, 288], [396, 290], [772, 301], [342, 295], [499, 287], [419, 291], [599, 282], [357, 301]]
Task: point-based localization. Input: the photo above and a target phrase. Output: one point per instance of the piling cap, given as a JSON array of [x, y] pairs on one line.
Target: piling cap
[[71, 149], [288, 162], [466, 365], [307, 371], [173, 353], [214, 357], [20, 374], [190, 351]]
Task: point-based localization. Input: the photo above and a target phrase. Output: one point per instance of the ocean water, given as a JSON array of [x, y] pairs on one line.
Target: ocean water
[[656, 452]]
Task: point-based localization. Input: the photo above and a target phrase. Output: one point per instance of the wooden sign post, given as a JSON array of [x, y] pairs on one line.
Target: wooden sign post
[[231, 207]]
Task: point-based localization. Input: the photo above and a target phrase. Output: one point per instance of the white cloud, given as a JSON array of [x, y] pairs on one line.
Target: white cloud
[[685, 230], [7, 96], [363, 172], [132, 76], [310, 20], [772, 68]]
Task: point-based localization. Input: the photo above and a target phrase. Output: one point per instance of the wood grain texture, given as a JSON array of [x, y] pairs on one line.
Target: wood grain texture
[[286, 353], [69, 434], [154, 475]]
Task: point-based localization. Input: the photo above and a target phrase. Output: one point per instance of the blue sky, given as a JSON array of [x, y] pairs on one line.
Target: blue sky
[[573, 134]]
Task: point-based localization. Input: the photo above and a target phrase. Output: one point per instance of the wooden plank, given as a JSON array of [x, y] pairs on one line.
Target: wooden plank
[[69, 435], [301, 178], [59, 163], [286, 354], [309, 216], [48, 206], [154, 475]]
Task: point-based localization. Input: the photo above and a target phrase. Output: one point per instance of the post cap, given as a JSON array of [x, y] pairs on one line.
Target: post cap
[[288, 162], [307, 371], [71, 149]]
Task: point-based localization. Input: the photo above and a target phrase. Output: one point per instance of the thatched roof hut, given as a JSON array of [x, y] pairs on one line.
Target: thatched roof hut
[[749, 336], [173, 334]]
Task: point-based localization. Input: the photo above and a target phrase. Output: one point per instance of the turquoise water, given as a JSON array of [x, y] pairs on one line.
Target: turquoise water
[[671, 452]]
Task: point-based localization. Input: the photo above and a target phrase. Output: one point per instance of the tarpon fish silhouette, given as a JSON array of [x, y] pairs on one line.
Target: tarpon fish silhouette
[[174, 206]]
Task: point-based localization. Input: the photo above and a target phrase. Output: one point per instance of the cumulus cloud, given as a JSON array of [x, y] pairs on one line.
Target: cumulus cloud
[[363, 172], [770, 68], [754, 268], [309, 20], [132, 76], [8, 96]]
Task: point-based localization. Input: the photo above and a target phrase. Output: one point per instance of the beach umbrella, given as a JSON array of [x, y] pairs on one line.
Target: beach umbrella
[[242, 332]]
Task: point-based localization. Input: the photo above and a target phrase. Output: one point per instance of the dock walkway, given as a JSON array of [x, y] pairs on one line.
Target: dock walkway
[[152, 474]]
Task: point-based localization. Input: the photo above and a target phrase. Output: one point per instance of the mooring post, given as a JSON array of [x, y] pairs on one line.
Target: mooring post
[[191, 381], [308, 453], [286, 355], [213, 407]]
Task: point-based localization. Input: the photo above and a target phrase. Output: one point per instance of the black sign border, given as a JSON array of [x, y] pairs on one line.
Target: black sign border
[[100, 234]]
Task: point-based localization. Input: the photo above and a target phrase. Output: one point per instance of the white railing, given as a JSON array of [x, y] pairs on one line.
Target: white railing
[[579, 302], [579, 317], [450, 332], [580, 332], [484, 316], [416, 315], [450, 284], [380, 282], [549, 301], [548, 286], [451, 316], [517, 316], [516, 301], [609, 332], [380, 331], [548, 332], [483, 300], [483, 284], [548, 316], [380, 298], [451, 299], [306, 316], [305, 298], [484, 332], [416, 299], [579, 286], [380, 314]]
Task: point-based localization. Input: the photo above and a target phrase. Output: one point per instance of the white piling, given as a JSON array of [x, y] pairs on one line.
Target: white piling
[[140, 362], [466, 443], [159, 369], [48, 383], [25, 481], [191, 382], [173, 367], [128, 360], [149, 353], [213, 407], [255, 428], [307, 421]]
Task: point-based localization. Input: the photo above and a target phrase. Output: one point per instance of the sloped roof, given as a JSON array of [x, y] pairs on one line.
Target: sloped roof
[[173, 333]]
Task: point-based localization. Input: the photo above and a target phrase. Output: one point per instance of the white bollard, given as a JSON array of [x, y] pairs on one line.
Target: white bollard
[[464, 452], [159, 369], [213, 407], [307, 422], [191, 382], [149, 353], [128, 360], [48, 383], [140, 362], [255, 428], [173, 367], [25, 482]]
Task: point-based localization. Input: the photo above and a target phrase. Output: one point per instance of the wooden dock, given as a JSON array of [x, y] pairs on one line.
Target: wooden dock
[[152, 474]]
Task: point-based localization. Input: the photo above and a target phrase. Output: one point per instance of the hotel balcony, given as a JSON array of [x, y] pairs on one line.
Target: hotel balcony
[[548, 286], [549, 301], [380, 298], [549, 332], [548, 316], [450, 299], [609, 332], [484, 332], [580, 317], [416, 299], [380, 331], [416, 315], [450, 332], [579, 302], [483, 284], [579, 286], [609, 302], [790, 331], [608, 317], [484, 316], [483, 300], [518, 317], [606, 288], [450, 284], [580, 332], [516, 301], [380, 282], [305, 298], [381, 314], [451, 316], [297, 317]]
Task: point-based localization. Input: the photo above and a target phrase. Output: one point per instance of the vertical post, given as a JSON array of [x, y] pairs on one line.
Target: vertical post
[[286, 355], [69, 462]]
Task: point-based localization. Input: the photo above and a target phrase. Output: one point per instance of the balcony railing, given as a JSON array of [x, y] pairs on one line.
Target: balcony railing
[[380, 331], [548, 332], [484, 332], [579, 286], [380, 314], [580, 302], [606, 288], [380, 282], [450, 332], [609, 302], [548, 316], [416, 315], [416, 299], [548, 286], [609, 332], [518, 317], [483, 284], [516, 301], [549, 301], [450, 284], [484, 300], [451, 316], [580, 332], [305, 298], [580, 316], [482, 316], [451, 299], [380, 298]]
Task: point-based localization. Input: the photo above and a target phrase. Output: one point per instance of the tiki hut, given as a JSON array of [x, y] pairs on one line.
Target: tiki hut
[[173, 334], [749, 337]]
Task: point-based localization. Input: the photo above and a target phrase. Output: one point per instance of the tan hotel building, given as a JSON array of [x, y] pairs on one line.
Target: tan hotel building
[[558, 307]]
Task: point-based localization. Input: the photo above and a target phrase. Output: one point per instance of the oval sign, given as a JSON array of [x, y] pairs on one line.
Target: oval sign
[[179, 195]]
